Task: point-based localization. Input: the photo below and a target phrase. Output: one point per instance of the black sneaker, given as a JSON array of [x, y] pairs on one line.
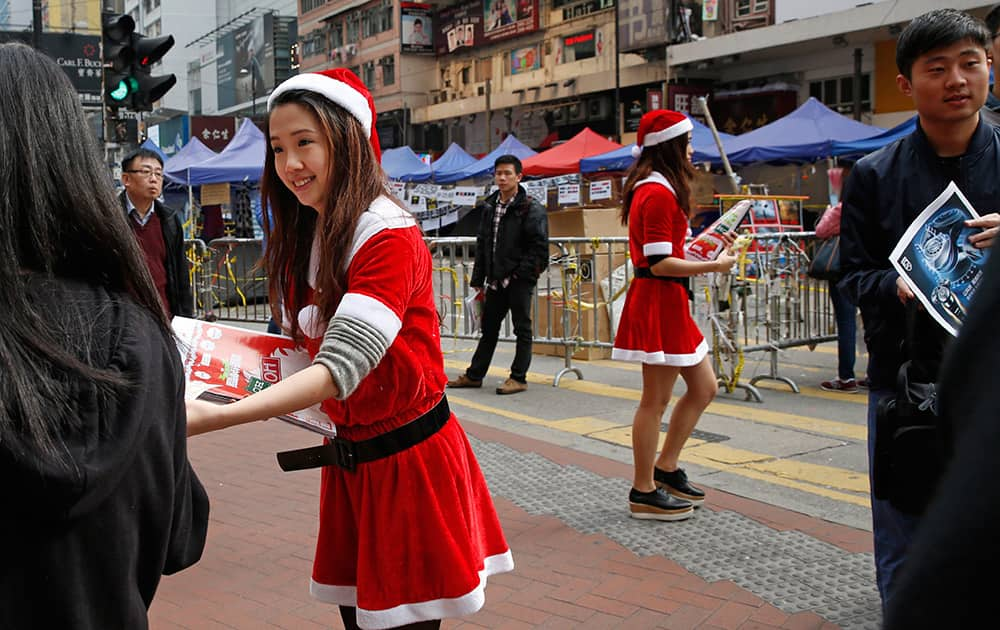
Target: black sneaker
[[658, 506], [676, 483]]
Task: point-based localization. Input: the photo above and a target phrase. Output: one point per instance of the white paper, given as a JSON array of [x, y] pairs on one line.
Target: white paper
[[936, 260], [600, 190], [569, 194]]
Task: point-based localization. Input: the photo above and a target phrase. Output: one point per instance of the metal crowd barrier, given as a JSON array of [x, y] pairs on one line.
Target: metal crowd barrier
[[766, 304], [226, 280]]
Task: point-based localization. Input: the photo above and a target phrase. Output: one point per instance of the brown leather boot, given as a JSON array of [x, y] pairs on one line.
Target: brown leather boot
[[510, 386], [464, 381]]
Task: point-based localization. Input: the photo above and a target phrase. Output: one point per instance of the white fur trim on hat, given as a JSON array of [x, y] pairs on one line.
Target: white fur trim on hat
[[337, 91], [656, 137]]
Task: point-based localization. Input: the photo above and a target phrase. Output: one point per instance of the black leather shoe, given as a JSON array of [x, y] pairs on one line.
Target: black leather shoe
[[676, 483], [658, 506]]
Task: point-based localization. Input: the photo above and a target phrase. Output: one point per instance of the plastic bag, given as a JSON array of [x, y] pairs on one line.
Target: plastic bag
[[474, 311]]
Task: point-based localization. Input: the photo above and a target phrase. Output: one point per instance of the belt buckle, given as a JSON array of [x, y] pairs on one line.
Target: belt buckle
[[345, 452]]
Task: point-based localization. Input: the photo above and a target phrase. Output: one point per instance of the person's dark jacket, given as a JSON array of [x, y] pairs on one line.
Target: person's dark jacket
[[955, 551], [178, 282], [84, 545], [883, 194], [522, 250]]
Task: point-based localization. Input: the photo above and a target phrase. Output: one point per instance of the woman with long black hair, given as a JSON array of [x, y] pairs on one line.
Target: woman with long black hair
[[99, 498], [656, 327]]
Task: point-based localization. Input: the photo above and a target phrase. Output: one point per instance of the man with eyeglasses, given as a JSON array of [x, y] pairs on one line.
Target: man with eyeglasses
[[158, 230]]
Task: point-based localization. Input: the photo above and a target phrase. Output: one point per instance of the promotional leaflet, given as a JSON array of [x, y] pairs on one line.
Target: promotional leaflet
[[936, 260], [223, 364]]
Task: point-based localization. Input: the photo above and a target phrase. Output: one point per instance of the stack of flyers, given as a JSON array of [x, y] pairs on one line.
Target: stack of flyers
[[709, 244], [224, 363], [936, 260]]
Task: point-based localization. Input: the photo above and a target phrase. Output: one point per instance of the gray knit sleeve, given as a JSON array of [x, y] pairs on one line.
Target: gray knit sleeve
[[351, 349]]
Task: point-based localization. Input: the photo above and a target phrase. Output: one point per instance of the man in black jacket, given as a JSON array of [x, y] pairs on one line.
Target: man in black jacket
[[512, 250], [943, 65], [158, 230]]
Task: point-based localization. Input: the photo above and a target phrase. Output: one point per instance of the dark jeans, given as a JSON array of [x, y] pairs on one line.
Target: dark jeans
[[892, 530], [515, 298], [845, 313]]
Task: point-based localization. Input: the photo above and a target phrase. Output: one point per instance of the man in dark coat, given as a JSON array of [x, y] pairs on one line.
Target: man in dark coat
[[512, 250], [942, 59], [158, 230]]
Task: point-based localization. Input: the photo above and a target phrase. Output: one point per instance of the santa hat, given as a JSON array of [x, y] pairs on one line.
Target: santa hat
[[659, 126], [342, 87]]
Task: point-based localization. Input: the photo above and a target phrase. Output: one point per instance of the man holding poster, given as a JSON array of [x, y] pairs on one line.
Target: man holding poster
[[944, 67]]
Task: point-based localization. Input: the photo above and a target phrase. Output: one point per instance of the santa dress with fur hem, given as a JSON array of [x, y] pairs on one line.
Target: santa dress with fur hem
[[656, 325], [412, 536]]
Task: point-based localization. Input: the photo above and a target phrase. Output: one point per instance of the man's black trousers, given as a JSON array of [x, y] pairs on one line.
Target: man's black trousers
[[515, 298]]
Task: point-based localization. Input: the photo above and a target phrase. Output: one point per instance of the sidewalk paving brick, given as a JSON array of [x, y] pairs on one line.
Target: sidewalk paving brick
[[256, 567]]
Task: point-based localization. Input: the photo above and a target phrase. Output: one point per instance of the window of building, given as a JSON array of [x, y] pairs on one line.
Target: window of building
[[388, 64], [579, 46], [194, 101], [838, 93], [376, 19], [368, 74], [336, 32], [353, 24], [466, 75], [309, 5], [154, 28], [314, 43], [752, 7]]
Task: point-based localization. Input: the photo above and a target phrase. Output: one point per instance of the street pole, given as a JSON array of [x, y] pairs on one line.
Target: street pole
[[617, 108], [718, 143], [253, 93], [36, 23], [489, 116], [857, 83]]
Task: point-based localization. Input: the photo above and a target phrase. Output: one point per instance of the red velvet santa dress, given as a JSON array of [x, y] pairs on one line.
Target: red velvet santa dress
[[656, 325], [412, 536]]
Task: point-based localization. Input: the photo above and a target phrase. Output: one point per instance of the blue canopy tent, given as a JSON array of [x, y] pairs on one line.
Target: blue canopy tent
[[155, 148], [621, 159], [241, 161], [402, 164], [453, 159], [484, 166], [805, 135], [858, 148], [194, 152]]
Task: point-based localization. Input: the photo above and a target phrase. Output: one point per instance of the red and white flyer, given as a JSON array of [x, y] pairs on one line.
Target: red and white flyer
[[225, 363]]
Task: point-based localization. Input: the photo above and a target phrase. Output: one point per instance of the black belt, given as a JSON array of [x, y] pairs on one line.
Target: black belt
[[645, 272], [347, 454]]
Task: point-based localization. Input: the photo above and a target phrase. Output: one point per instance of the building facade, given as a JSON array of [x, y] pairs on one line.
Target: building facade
[[477, 70]]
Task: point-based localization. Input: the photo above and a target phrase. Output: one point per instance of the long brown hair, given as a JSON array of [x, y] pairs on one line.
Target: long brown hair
[[668, 158], [356, 180]]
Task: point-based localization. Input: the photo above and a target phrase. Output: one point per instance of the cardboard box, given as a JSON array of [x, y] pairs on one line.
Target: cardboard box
[[581, 324], [589, 222]]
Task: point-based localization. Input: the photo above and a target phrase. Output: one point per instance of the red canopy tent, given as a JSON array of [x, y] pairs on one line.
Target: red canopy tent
[[566, 157]]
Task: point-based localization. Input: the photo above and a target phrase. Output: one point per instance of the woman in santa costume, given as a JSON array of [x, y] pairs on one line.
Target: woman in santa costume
[[656, 328], [408, 532]]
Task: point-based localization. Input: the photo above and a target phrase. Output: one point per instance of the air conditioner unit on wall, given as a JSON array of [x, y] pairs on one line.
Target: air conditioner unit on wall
[[559, 116], [598, 108], [576, 112]]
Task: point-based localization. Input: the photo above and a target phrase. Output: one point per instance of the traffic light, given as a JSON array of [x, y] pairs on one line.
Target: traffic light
[[118, 54], [149, 50], [128, 57]]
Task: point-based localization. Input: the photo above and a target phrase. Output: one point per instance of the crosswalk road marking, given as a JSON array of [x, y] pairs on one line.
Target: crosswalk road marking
[[827, 481]]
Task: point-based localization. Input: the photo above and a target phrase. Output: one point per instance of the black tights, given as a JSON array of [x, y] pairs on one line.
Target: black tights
[[349, 614]]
